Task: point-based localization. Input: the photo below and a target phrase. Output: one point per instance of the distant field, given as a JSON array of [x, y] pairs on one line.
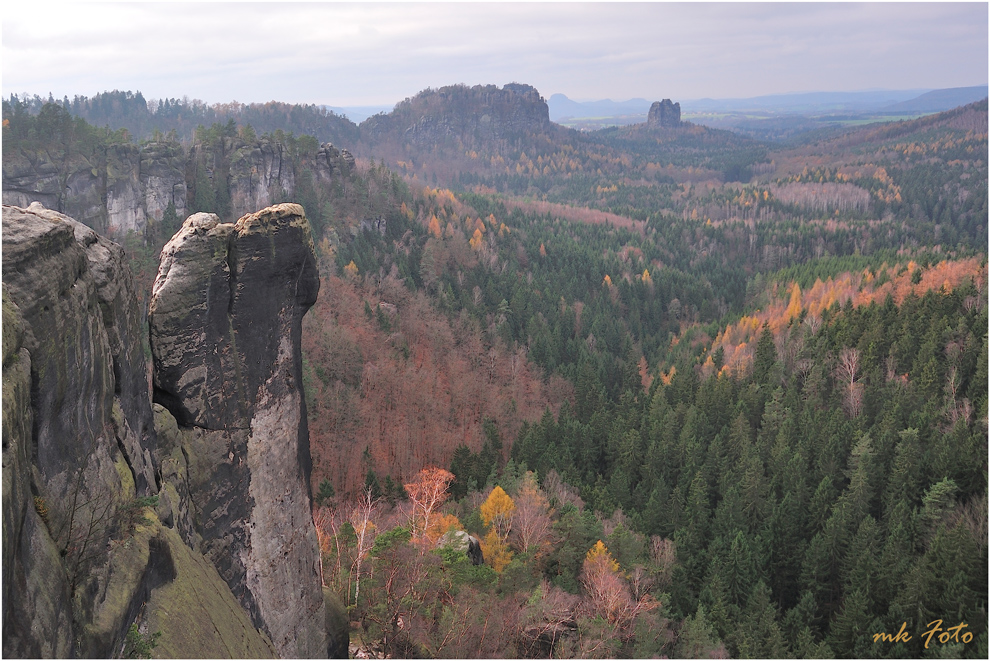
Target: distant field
[[595, 123], [873, 119]]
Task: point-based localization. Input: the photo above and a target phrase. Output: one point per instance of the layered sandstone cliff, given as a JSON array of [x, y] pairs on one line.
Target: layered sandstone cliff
[[77, 436], [124, 187], [114, 190]]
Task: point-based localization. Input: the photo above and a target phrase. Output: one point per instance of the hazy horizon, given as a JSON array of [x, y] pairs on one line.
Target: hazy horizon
[[376, 54]]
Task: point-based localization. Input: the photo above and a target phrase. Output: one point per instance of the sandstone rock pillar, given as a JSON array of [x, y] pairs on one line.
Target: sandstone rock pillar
[[225, 319]]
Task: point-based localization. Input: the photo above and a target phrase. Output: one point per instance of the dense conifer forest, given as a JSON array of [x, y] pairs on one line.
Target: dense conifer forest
[[696, 395]]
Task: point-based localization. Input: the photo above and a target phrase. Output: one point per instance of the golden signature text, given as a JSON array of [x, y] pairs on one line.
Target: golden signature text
[[952, 633]]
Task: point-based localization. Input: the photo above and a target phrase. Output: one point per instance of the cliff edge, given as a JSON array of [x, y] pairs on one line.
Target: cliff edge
[[88, 530]]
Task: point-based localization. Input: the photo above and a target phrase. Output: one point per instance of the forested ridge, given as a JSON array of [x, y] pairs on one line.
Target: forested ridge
[[696, 395]]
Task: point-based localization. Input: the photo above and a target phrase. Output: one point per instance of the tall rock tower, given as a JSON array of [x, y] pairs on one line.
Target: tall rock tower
[[664, 114], [226, 315]]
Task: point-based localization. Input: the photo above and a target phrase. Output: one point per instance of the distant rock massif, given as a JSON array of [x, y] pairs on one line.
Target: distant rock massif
[[190, 517], [475, 117]]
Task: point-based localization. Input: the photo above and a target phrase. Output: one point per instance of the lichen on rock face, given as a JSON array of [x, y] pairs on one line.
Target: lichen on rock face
[[225, 321]]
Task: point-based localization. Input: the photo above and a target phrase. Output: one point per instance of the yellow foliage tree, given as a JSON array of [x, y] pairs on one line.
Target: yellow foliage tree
[[599, 556], [351, 270], [497, 512], [794, 306], [477, 240], [496, 551]]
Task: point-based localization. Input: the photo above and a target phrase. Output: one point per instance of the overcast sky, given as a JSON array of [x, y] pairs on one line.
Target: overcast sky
[[376, 54]]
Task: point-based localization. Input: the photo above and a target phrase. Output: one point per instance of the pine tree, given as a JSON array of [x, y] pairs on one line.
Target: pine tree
[[765, 357]]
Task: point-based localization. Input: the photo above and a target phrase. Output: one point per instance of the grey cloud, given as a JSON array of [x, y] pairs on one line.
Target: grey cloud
[[345, 54]]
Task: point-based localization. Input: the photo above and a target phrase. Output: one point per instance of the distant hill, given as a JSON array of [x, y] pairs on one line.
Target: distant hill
[[562, 107], [142, 119], [939, 100], [481, 118], [806, 102]]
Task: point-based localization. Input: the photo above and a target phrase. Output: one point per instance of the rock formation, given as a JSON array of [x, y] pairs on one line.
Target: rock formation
[[664, 114], [126, 186], [225, 322], [480, 117], [115, 191], [108, 503], [464, 542], [83, 548]]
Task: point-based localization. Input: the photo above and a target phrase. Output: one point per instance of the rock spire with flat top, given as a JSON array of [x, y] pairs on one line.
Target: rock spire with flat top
[[664, 114]]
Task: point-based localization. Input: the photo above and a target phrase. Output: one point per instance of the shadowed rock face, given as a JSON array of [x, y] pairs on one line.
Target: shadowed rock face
[[225, 319], [77, 434]]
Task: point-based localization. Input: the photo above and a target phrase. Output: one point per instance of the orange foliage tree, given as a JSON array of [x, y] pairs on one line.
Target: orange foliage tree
[[861, 288], [427, 493]]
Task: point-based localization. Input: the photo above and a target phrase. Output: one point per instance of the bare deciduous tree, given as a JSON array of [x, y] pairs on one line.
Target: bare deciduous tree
[[532, 521], [361, 519], [427, 493]]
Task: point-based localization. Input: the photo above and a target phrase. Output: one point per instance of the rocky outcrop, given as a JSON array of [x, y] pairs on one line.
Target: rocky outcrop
[[225, 321], [478, 117], [77, 435], [464, 542], [113, 190], [99, 524], [664, 114]]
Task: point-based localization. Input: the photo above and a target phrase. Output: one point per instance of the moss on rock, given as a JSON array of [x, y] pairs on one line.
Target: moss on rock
[[197, 614]]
